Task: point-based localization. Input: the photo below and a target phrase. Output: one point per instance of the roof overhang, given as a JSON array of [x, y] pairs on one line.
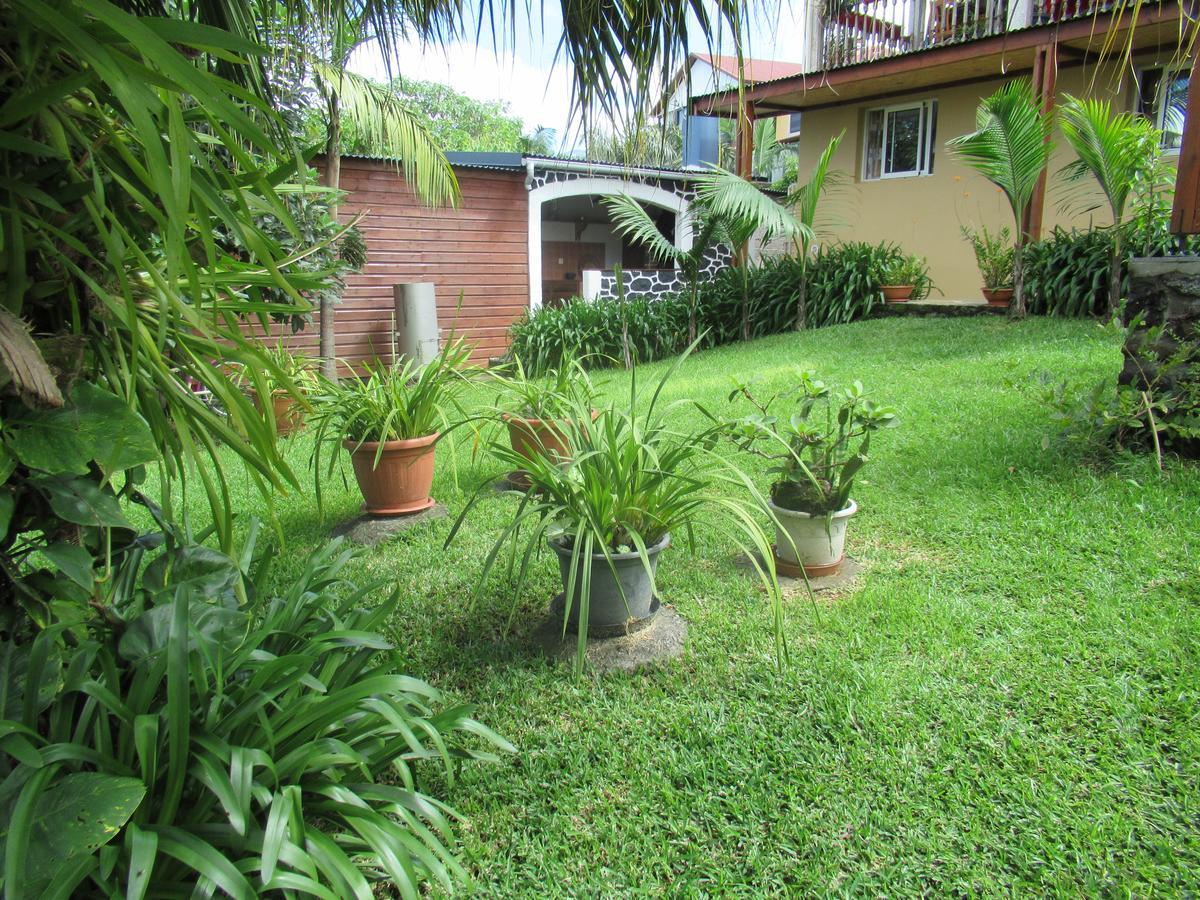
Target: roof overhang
[[1079, 41]]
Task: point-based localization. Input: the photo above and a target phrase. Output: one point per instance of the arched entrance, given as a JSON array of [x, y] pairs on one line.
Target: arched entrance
[[559, 198]]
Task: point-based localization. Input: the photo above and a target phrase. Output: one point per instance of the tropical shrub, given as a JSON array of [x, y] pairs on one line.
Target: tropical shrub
[[843, 285], [1068, 274], [816, 437], [905, 269], [1155, 407], [210, 735]]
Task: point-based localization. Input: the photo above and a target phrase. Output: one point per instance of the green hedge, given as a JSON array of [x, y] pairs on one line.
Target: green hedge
[[842, 287], [1066, 274]]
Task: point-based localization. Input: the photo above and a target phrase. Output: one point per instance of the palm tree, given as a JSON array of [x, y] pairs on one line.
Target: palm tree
[[804, 202], [727, 210], [1118, 151], [383, 121], [1010, 147]]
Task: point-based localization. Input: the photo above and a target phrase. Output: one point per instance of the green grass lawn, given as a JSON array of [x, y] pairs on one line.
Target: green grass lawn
[[1007, 703]]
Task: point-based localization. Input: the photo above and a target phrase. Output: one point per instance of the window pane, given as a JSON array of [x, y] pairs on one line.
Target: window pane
[[931, 140], [794, 123], [873, 146], [903, 151], [1173, 105]]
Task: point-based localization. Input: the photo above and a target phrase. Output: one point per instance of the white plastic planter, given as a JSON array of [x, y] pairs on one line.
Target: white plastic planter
[[817, 543]]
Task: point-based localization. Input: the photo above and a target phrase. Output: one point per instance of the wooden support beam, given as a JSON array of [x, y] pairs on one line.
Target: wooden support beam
[[1045, 74], [744, 155], [1185, 211], [745, 164]]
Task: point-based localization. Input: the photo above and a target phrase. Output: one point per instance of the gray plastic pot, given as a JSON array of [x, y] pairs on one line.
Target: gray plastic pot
[[609, 605]]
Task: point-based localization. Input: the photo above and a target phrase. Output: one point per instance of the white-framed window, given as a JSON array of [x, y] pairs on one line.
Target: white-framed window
[[793, 124], [898, 140], [1163, 92]]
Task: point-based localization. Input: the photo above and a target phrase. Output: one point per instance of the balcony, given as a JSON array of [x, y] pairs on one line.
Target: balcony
[[871, 30]]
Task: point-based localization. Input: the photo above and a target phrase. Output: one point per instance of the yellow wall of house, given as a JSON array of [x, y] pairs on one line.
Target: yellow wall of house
[[924, 214]]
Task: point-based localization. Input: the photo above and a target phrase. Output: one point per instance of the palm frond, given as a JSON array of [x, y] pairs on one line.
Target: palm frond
[[387, 125], [805, 200], [1011, 144], [1112, 149], [743, 209], [632, 221]]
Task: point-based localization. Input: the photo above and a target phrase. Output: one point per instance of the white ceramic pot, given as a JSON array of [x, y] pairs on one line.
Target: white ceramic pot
[[812, 545]]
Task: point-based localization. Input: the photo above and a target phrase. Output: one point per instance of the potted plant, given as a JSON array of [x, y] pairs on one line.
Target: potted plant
[[902, 277], [817, 439], [996, 257], [532, 410], [609, 511], [390, 421], [287, 378]]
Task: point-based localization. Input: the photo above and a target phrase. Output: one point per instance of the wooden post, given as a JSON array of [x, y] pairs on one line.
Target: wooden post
[[1185, 211], [745, 164], [745, 141], [1045, 74]]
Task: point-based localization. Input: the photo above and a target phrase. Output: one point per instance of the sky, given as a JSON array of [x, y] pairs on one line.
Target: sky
[[525, 74]]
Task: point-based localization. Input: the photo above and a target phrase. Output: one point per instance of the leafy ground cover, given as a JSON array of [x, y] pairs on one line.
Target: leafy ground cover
[[1007, 703]]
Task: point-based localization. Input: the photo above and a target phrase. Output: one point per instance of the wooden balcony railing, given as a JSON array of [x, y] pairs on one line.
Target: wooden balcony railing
[[857, 31]]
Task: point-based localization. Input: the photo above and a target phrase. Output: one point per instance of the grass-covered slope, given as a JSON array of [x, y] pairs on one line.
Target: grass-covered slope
[[1007, 704]]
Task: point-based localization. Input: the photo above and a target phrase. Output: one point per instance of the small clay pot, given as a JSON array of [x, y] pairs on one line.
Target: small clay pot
[[897, 293], [399, 485], [537, 437], [997, 296], [289, 415]]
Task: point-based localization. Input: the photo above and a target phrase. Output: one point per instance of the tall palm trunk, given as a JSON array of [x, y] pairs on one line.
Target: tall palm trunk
[[1016, 309], [802, 293], [745, 276], [695, 297], [1114, 272], [333, 179]]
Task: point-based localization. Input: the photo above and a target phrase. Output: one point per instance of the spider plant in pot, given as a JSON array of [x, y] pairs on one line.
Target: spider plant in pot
[[391, 420], [996, 258], [532, 409], [609, 511], [817, 439], [287, 378], [901, 278]]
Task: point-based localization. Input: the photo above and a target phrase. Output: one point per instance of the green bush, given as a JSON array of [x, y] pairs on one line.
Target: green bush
[[1066, 274], [843, 285], [240, 747]]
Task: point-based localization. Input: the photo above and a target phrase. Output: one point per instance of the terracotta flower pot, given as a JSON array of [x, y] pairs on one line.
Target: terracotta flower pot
[[289, 416], [400, 484], [897, 293], [536, 437], [997, 296]]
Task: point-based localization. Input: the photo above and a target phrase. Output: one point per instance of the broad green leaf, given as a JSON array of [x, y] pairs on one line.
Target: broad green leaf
[[72, 561], [82, 501], [94, 426], [75, 816]]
